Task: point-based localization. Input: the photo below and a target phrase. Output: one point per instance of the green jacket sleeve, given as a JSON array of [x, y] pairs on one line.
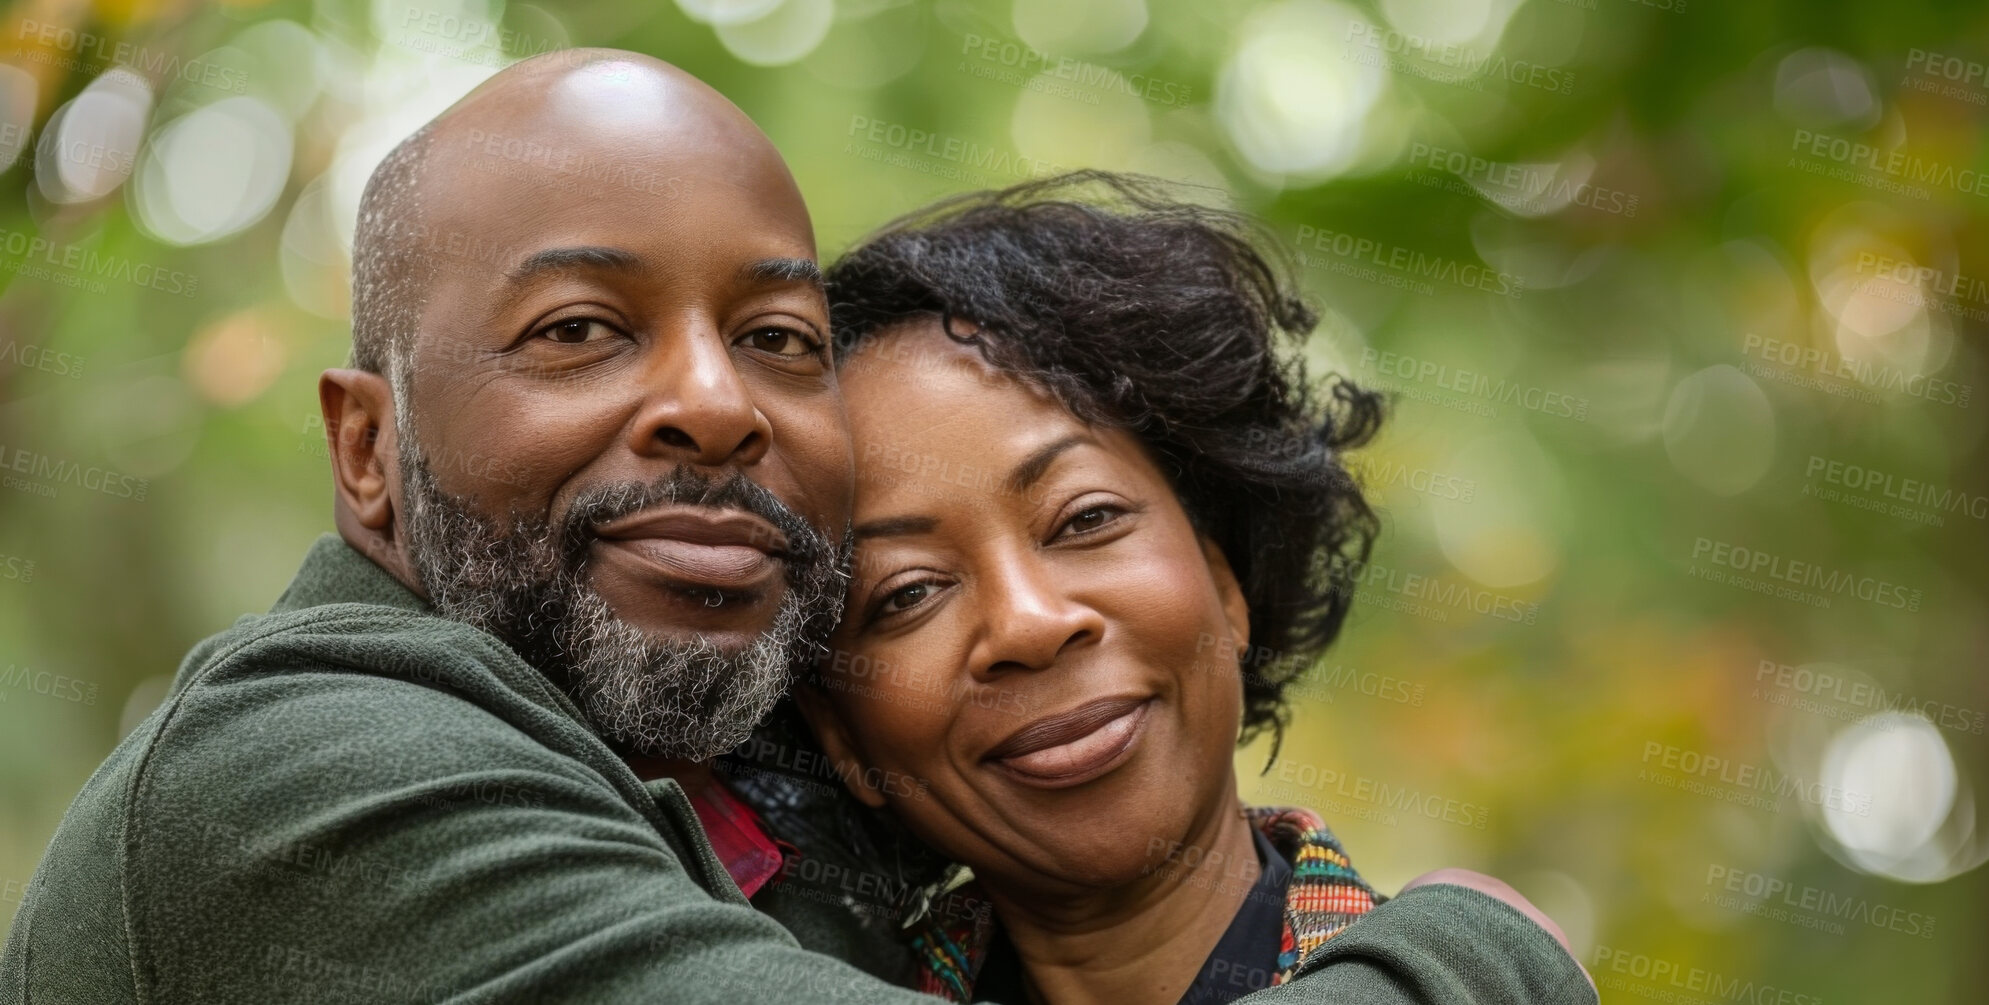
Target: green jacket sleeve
[[275, 855], [1438, 945]]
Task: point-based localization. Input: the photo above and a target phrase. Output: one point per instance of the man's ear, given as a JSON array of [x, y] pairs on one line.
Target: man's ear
[[1235, 609], [834, 738], [359, 432], [358, 408]]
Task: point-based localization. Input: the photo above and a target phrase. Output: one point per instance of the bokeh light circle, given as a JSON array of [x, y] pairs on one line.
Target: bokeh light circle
[[1899, 783], [288, 65], [717, 12], [234, 360], [214, 171], [1500, 532], [312, 255], [90, 145], [783, 35], [1719, 430], [1285, 108], [1057, 26], [1824, 88]]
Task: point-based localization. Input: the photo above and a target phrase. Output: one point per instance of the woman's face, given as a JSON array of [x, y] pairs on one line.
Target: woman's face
[[1037, 669]]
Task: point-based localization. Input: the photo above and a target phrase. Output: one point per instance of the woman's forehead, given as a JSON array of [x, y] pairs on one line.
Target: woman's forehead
[[917, 367], [915, 342]]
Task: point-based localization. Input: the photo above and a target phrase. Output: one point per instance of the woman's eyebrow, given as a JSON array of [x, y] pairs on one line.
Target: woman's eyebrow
[[1019, 479], [1037, 464]]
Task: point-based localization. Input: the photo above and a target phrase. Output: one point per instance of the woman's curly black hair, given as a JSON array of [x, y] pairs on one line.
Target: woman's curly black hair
[[1170, 320]]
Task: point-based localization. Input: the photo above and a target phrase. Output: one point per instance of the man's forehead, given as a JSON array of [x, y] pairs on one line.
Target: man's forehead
[[605, 111], [614, 166], [513, 204], [611, 132], [646, 169], [599, 93]]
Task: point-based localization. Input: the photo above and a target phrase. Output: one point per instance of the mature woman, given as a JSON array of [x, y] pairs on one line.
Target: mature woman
[[1094, 485]]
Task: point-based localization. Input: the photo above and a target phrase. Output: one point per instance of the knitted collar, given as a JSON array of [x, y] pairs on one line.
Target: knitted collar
[[1325, 896]]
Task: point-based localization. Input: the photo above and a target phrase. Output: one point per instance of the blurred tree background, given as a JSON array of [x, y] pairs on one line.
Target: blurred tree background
[[1678, 621]]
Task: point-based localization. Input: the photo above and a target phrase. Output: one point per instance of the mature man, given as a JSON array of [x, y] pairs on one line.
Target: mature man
[[592, 479]]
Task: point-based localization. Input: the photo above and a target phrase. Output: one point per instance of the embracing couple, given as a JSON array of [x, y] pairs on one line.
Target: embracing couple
[[993, 517]]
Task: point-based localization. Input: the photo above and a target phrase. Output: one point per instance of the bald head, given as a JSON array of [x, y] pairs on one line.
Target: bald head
[[576, 119]]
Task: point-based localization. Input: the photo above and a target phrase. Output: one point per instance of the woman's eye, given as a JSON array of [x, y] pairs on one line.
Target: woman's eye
[[1090, 519], [780, 342], [577, 331]]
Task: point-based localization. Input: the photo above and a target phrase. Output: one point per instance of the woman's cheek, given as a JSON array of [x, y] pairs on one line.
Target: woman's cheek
[[1171, 608], [900, 722], [1176, 622], [930, 813]]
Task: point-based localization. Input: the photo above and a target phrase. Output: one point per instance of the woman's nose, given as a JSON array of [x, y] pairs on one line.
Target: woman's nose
[[1030, 618]]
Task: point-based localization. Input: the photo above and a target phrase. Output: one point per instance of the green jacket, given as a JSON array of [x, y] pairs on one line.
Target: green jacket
[[351, 799]]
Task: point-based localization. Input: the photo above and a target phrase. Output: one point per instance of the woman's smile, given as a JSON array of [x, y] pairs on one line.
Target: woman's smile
[[1074, 747]]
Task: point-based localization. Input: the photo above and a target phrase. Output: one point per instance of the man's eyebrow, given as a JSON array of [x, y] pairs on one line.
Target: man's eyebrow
[[589, 256], [896, 526], [782, 270], [1037, 464]]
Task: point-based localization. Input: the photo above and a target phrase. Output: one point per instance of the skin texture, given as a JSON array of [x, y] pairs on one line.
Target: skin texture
[[690, 336], [1018, 602]]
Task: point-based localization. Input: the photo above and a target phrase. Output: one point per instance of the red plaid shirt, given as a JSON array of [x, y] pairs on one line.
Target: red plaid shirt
[[738, 836]]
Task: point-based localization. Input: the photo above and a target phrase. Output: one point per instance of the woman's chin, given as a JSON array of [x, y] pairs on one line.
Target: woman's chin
[[1117, 822], [1113, 866], [1113, 837]]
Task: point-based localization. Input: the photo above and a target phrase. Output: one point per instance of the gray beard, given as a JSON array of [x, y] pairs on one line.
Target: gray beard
[[528, 584]]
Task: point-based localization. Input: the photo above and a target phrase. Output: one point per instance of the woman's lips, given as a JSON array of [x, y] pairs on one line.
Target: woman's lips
[[1074, 747]]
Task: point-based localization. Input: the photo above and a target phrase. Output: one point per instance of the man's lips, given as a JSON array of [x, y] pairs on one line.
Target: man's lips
[[696, 548], [1073, 746]]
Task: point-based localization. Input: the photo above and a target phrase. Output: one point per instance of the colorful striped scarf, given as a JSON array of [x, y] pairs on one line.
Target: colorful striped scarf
[[1325, 896]]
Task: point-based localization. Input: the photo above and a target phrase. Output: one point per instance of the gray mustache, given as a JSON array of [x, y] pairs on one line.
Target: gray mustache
[[685, 486]]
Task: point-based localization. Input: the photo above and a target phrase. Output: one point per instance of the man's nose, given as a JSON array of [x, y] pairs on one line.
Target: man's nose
[[697, 408]]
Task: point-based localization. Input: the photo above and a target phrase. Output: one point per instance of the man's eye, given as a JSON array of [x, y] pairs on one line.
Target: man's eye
[[577, 331], [780, 342]]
